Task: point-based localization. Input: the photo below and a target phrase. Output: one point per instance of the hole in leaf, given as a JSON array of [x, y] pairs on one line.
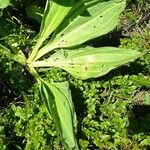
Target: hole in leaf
[[118, 1], [71, 63], [56, 59]]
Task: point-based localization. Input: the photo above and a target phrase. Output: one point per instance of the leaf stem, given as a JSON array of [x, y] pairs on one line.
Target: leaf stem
[[46, 49], [35, 50], [45, 64], [19, 57], [33, 72]]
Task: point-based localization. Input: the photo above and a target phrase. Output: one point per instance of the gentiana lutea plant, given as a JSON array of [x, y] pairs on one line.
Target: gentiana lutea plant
[[70, 24]]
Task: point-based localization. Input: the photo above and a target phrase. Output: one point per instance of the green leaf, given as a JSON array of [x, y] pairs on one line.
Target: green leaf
[[141, 80], [147, 99], [19, 57], [58, 101], [4, 3], [54, 13], [89, 62], [96, 18]]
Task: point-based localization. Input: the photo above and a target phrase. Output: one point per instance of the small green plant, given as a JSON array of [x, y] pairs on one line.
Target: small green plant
[[66, 25]]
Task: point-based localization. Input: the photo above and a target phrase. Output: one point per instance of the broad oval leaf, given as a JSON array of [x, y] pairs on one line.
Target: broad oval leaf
[[4, 3], [58, 101], [97, 19], [89, 62]]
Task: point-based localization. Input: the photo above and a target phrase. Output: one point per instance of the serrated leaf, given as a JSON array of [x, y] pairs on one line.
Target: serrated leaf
[[89, 62], [4, 3], [96, 19], [60, 107]]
